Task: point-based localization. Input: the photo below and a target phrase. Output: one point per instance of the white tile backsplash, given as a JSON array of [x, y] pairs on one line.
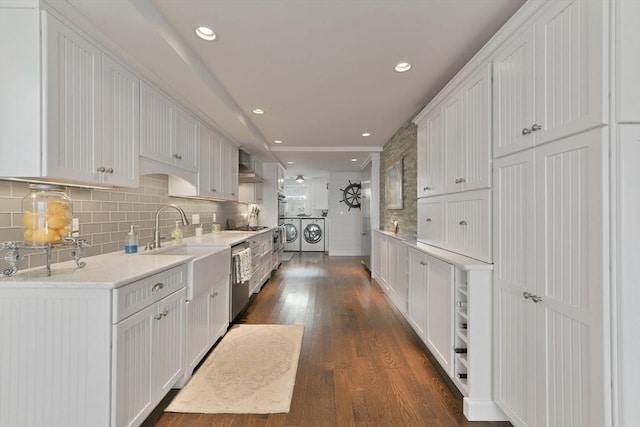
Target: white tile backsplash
[[106, 215]]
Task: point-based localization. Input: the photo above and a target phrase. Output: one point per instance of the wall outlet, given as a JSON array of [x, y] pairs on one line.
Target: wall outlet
[[195, 219]]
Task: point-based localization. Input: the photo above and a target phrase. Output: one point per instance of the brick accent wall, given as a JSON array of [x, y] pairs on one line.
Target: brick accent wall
[[106, 215], [402, 145]]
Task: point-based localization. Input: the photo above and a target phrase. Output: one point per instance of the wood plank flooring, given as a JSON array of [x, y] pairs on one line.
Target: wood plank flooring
[[360, 365]]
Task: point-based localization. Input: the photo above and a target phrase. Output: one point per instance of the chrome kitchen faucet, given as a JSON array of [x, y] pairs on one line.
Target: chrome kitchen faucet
[[156, 233]]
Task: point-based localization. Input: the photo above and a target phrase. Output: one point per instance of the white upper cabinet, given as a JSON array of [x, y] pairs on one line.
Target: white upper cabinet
[[627, 62], [120, 125], [549, 82], [89, 109], [186, 142], [157, 125], [454, 139], [431, 154], [73, 101]]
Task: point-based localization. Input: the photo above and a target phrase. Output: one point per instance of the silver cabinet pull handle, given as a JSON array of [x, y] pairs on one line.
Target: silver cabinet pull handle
[[427, 188], [428, 219], [463, 222], [462, 180], [213, 190], [110, 170], [213, 295], [160, 315], [536, 298], [535, 127], [423, 263], [526, 131], [177, 156], [101, 169], [157, 287], [527, 295]]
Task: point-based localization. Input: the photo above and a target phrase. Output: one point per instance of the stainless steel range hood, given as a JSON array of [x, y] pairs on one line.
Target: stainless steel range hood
[[247, 173]]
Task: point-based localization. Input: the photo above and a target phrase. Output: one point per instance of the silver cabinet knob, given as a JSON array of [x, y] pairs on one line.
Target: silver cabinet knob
[[101, 169], [110, 170], [527, 295], [535, 127], [213, 190], [157, 287], [161, 314], [526, 131], [427, 188], [423, 263], [536, 298], [463, 222], [428, 220], [177, 156]]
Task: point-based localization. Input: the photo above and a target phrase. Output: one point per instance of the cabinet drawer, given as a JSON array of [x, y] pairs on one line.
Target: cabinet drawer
[[468, 224], [137, 295], [430, 226]]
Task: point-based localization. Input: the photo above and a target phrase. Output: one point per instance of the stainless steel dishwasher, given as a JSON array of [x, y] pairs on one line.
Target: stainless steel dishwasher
[[239, 291]]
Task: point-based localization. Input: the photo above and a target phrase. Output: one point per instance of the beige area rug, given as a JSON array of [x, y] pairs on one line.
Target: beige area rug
[[251, 371]]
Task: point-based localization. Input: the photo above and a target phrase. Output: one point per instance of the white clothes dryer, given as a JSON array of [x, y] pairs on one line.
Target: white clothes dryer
[[312, 234], [292, 234]]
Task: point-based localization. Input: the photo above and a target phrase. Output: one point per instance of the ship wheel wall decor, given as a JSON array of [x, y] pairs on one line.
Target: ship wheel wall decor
[[351, 195]]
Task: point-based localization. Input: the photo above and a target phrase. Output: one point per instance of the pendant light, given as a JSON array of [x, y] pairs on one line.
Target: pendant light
[[299, 179]]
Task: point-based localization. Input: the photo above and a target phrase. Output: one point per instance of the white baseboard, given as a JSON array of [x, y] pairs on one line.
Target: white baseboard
[[482, 410]]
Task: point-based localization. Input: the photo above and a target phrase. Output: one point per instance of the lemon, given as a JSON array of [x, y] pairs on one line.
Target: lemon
[[45, 235], [57, 221], [56, 207], [30, 219]]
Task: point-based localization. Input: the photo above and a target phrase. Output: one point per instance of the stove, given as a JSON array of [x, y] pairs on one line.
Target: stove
[[247, 228]]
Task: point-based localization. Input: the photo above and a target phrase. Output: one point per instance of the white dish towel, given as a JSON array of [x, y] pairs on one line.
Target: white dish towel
[[242, 265]]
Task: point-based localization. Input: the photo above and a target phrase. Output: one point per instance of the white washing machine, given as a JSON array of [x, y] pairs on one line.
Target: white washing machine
[[292, 234], [312, 234]]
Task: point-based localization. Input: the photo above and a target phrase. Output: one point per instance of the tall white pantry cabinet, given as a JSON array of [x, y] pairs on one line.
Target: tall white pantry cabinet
[[564, 234]]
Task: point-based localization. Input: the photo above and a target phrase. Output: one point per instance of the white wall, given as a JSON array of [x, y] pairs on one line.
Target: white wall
[[345, 225]]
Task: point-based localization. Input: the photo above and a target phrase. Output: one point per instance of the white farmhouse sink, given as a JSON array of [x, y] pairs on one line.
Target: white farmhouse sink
[[209, 264]]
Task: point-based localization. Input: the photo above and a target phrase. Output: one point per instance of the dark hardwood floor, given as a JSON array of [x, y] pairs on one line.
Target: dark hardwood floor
[[361, 364]]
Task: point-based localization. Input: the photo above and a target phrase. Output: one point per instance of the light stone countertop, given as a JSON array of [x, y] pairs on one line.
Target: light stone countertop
[[115, 269], [460, 261]]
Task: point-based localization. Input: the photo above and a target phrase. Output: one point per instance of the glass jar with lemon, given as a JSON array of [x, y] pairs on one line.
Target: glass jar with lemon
[[46, 215]]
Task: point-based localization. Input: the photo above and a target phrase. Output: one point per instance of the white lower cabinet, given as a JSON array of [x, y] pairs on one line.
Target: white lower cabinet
[[380, 258], [448, 305], [148, 358], [89, 356], [551, 284]]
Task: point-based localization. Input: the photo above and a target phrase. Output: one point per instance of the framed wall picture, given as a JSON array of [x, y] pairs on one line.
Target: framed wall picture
[[393, 186]]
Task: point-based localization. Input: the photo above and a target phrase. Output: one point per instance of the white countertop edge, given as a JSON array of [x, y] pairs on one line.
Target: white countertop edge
[[460, 261], [115, 269]]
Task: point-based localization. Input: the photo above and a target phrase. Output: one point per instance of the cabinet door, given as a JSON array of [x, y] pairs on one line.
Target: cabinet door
[[571, 254], [133, 395], [186, 143], [206, 167], [431, 154], [430, 221], [453, 143], [73, 90], [571, 80], [468, 224], [514, 273], [439, 332], [157, 118], [417, 299], [169, 342], [229, 170], [219, 309], [398, 275], [476, 97], [320, 193], [197, 329], [217, 167], [380, 260], [120, 125], [513, 101]]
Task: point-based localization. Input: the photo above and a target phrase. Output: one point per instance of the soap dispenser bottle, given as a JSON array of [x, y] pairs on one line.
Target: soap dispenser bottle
[[176, 234], [131, 244]]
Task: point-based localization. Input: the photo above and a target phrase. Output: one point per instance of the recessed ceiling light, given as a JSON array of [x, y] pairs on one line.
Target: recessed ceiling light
[[401, 67], [354, 160], [289, 163], [258, 111], [206, 33], [277, 141], [366, 134]]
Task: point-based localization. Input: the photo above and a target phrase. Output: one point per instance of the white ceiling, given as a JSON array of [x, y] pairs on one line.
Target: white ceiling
[[321, 69]]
